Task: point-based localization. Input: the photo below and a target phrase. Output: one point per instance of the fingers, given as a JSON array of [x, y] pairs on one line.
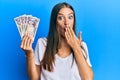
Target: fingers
[[72, 32], [67, 35], [80, 36], [26, 42], [30, 42], [69, 32]]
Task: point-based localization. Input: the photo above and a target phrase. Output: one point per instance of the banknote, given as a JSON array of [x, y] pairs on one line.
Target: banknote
[[27, 24]]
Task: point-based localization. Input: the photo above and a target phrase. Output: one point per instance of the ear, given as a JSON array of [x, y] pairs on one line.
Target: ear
[[80, 36]]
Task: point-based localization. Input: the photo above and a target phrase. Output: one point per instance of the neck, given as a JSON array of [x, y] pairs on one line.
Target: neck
[[65, 49]]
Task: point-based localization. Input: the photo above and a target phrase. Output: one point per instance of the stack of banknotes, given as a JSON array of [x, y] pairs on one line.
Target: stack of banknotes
[[27, 24]]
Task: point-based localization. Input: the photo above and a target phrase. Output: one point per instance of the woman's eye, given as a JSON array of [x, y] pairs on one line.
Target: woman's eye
[[70, 17], [60, 18]]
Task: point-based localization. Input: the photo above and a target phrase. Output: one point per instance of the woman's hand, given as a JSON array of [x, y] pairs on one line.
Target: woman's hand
[[26, 44], [71, 38]]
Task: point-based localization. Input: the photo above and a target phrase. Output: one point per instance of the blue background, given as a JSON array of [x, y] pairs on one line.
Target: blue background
[[99, 20]]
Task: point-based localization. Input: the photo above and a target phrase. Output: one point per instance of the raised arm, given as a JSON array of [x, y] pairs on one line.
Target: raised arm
[[33, 70], [85, 70]]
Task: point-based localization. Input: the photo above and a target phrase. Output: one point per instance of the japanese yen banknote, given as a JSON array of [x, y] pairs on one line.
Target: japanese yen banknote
[[27, 24]]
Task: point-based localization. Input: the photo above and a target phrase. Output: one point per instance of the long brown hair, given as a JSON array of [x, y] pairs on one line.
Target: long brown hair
[[53, 40]]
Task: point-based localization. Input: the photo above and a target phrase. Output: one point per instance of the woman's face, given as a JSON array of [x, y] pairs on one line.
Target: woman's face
[[65, 19]]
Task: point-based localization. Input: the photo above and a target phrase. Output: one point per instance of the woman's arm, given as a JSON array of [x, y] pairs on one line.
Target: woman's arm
[[85, 70], [33, 70]]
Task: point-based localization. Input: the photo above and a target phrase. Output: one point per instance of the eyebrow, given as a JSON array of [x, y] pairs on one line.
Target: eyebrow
[[63, 14]]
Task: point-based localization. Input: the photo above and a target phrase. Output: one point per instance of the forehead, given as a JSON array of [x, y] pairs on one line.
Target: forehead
[[65, 10]]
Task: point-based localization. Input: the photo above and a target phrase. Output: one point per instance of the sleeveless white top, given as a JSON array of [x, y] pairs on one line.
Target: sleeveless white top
[[63, 68]]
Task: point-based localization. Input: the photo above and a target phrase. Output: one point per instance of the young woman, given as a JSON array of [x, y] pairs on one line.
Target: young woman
[[62, 55]]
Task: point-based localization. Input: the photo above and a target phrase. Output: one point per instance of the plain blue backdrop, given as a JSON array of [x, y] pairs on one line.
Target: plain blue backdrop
[[99, 21]]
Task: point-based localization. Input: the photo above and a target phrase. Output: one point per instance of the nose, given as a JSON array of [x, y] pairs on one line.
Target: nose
[[66, 23]]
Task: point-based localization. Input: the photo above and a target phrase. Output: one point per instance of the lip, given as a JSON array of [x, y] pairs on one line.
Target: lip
[[64, 29]]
